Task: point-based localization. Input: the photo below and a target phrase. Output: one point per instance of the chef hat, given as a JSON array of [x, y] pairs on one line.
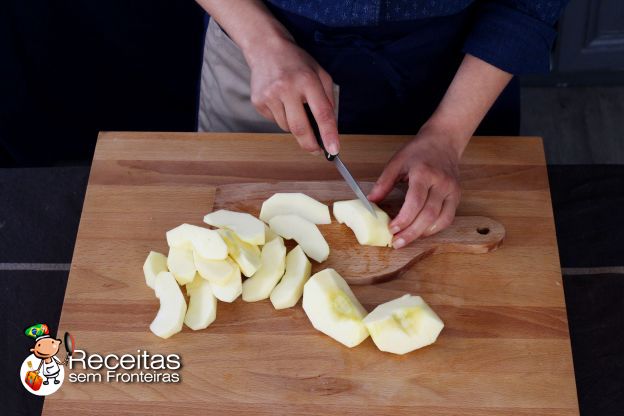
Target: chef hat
[[38, 331]]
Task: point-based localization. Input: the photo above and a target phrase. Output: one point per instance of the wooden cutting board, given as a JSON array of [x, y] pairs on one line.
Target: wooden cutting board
[[364, 264], [505, 348]]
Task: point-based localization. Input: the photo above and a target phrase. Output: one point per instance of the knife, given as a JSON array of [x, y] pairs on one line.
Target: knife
[[342, 169]]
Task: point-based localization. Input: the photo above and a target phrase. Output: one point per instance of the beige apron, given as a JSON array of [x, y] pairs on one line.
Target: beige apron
[[225, 95]]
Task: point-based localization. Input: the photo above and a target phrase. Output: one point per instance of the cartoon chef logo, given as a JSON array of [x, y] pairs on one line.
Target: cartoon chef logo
[[42, 373]]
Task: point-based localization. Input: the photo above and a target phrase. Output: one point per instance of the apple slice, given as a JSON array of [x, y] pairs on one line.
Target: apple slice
[[289, 290], [181, 236], [207, 243], [247, 227], [202, 306], [305, 233], [154, 264], [297, 204], [369, 231], [172, 310], [231, 289], [260, 285], [403, 325], [215, 271], [246, 255], [180, 263], [268, 234], [333, 309]]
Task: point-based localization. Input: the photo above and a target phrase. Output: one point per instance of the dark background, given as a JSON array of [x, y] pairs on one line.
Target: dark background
[[69, 69], [72, 68]]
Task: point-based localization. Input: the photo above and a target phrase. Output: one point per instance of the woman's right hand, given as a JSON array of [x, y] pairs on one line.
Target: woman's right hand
[[283, 78]]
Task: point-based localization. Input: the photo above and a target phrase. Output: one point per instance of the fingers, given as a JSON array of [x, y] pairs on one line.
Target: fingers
[[415, 200], [298, 124], [328, 86], [447, 214], [386, 181], [323, 111], [278, 114], [423, 220]]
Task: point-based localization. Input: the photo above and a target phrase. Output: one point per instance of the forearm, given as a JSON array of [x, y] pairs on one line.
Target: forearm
[[248, 22], [474, 89]]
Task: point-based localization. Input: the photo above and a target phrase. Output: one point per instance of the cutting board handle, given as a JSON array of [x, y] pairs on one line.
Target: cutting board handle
[[474, 235], [466, 235]]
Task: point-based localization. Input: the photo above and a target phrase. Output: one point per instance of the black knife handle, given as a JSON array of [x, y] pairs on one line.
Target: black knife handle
[[317, 133]]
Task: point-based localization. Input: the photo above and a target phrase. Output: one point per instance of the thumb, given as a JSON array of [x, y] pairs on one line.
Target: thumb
[[386, 182]]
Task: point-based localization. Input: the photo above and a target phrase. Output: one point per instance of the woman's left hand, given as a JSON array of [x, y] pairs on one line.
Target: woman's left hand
[[430, 165]]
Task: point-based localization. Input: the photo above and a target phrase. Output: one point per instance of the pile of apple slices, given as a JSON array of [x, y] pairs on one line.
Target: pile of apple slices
[[211, 263]]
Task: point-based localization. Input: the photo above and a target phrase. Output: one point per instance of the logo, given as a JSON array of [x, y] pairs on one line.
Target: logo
[[42, 373]]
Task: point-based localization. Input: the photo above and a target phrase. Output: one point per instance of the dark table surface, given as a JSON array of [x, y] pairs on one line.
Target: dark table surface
[[40, 210]]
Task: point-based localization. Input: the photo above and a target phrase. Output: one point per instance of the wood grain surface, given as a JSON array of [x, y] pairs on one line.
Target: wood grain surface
[[505, 349], [359, 264]]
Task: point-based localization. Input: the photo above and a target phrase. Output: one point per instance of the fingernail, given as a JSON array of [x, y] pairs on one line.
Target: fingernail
[[398, 243], [433, 227], [316, 153], [395, 229], [332, 149]]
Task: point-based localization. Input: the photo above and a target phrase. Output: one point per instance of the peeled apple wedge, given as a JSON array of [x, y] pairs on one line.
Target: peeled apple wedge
[[289, 290], [297, 204], [207, 243], [181, 264], [231, 289], [202, 306], [246, 255], [403, 325], [333, 309], [172, 310], [247, 227], [305, 233], [268, 234], [181, 236], [260, 285], [368, 230], [154, 264], [215, 271]]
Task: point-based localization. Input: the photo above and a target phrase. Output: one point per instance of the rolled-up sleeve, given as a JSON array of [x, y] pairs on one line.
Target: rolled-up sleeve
[[515, 35]]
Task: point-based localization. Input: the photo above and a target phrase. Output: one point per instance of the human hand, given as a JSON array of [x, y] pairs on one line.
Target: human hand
[[283, 78], [429, 163]]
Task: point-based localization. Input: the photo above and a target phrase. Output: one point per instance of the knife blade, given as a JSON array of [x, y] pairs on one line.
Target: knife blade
[[342, 169]]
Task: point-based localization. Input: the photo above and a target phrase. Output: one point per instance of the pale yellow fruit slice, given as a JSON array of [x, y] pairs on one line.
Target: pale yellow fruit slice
[[246, 255], [403, 325], [215, 271], [305, 233], [368, 230], [289, 290], [170, 316], [268, 234], [202, 306], [154, 264], [333, 309], [231, 289], [260, 285], [207, 243], [296, 204], [180, 263], [247, 227]]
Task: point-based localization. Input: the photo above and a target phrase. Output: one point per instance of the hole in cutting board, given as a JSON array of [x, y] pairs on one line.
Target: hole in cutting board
[[483, 230]]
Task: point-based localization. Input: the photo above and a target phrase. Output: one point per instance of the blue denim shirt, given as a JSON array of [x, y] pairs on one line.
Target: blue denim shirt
[[514, 35]]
